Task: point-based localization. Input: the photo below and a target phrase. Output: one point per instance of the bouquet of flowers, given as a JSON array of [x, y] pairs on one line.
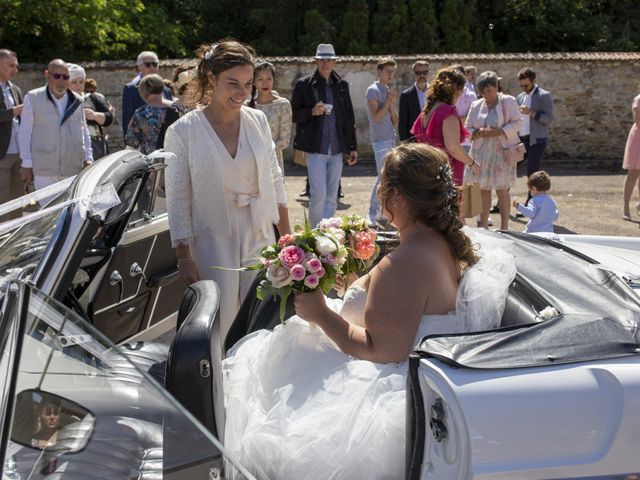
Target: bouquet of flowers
[[312, 258], [353, 232]]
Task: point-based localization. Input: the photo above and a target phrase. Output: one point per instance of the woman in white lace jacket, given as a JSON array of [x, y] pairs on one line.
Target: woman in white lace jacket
[[225, 190]]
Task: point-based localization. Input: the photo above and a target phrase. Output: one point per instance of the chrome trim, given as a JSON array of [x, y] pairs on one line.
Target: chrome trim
[[163, 326], [154, 227], [153, 307]]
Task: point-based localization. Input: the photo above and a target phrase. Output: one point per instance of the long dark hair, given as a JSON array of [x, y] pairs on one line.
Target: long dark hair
[[216, 58], [258, 68], [422, 175]]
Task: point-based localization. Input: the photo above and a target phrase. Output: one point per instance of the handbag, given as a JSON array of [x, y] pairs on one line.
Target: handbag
[[513, 154], [471, 200]]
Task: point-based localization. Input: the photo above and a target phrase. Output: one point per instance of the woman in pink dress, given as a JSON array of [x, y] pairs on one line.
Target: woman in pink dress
[[439, 124], [631, 161]]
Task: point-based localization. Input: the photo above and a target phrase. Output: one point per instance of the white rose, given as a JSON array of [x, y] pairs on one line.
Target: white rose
[[548, 313], [278, 276], [325, 246]]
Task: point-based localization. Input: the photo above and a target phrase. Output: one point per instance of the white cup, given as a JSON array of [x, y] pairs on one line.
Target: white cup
[[327, 108]]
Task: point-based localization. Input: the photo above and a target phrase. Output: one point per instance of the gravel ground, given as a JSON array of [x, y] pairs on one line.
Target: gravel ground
[[590, 203]]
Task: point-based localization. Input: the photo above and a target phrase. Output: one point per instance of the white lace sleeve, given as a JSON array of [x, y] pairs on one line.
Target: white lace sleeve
[[178, 188], [484, 287], [276, 172]]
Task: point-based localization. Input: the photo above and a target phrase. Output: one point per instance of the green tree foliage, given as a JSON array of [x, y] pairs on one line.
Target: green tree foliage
[[422, 26], [353, 36], [389, 32], [83, 30], [86, 30], [316, 30]]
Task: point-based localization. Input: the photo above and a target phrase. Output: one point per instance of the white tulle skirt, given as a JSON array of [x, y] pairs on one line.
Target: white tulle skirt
[[299, 408]]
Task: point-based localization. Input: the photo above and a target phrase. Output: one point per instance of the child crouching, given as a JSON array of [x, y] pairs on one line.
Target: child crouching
[[541, 210]]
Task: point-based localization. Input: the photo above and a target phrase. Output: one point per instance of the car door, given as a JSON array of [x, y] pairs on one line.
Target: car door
[[139, 293]]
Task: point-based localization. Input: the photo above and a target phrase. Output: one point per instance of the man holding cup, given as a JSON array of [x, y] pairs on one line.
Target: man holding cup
[[325, 129]]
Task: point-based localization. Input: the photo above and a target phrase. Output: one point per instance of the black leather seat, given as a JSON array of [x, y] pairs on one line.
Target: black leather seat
[[194, 372]]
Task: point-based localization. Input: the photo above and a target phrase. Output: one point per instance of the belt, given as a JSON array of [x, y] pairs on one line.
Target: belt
[[256, 209]]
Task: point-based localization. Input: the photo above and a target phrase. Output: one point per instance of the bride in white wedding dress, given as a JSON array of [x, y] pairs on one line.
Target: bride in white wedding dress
[[323, 396]]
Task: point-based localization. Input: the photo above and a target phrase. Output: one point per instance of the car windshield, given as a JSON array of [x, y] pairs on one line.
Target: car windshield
[[22, 247], [140, 430]]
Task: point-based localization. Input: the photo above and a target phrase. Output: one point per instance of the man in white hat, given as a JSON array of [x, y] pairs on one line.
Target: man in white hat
[[52, 140], [325, 129]]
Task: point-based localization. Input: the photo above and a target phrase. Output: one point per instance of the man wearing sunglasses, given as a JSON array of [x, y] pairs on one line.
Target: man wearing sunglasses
[[146, 64], [412, 100], [52, 138]]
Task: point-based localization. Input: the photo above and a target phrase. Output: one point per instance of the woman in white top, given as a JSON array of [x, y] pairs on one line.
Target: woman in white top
[[276, 108], [493, 121], [225, 190]]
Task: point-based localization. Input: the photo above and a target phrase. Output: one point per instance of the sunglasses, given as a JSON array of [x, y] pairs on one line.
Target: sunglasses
[[150, 64], [421, 72], [58, 76]]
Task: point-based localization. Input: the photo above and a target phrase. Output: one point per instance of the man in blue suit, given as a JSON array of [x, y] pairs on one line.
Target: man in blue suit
[[146, 64], [412, 100], [536, 107]]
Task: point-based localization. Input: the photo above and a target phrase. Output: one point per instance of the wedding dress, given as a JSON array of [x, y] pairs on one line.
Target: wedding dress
[[299, 408]]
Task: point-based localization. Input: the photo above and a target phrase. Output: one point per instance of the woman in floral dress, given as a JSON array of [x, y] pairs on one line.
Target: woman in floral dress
[[493, 121]]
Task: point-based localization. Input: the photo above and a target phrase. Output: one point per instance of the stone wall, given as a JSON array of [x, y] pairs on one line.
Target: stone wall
[[592, 92]]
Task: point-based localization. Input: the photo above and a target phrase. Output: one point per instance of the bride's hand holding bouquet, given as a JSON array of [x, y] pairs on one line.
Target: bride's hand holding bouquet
[[311, 260]]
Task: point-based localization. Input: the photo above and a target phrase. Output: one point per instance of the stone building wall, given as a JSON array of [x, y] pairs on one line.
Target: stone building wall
[[592, 92]]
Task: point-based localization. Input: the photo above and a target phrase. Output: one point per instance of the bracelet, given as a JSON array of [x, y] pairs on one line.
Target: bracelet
[[472, 163]]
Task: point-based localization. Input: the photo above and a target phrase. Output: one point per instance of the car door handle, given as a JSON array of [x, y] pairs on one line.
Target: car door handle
[[116, 279]]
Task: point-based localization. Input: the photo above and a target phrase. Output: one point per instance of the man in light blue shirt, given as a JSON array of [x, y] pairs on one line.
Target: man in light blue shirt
[[383, 117]]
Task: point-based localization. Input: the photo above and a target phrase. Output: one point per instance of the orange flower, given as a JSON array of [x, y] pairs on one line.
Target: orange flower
[[365, 244]]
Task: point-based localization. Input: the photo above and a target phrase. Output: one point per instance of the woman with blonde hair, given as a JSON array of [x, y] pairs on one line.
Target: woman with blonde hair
[[439, 124], [225, 189]]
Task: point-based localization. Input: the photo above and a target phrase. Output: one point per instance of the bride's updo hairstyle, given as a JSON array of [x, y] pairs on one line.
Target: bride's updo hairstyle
[[216, 58], [422, 175]]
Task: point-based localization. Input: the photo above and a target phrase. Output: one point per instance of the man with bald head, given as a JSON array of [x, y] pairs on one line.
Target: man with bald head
[[10, 108], [51, 138]]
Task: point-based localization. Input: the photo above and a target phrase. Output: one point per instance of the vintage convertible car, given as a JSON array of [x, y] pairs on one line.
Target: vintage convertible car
[[553, 393]]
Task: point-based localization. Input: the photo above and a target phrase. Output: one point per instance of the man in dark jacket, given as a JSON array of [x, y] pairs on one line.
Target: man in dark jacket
[[412, 100], [325, 129], [11, 185]]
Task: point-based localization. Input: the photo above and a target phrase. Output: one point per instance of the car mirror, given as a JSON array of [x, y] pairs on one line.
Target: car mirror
[[44, 420]]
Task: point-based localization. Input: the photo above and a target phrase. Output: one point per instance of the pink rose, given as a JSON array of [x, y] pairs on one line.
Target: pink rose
[[320, 273], [312, 281], [291, 255], [298, 272], [278, 275], [314, 265], [285, 240]]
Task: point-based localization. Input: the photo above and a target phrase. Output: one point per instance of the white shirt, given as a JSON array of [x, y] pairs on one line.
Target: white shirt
[[10, 102], [26, 128], [422, 95], [526, 119], [463, 105]]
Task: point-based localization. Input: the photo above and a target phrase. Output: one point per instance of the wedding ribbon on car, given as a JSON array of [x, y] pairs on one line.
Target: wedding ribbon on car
[[102, 199]]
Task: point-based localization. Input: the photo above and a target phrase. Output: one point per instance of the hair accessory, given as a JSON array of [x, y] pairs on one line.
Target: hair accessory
[[210, 52]]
